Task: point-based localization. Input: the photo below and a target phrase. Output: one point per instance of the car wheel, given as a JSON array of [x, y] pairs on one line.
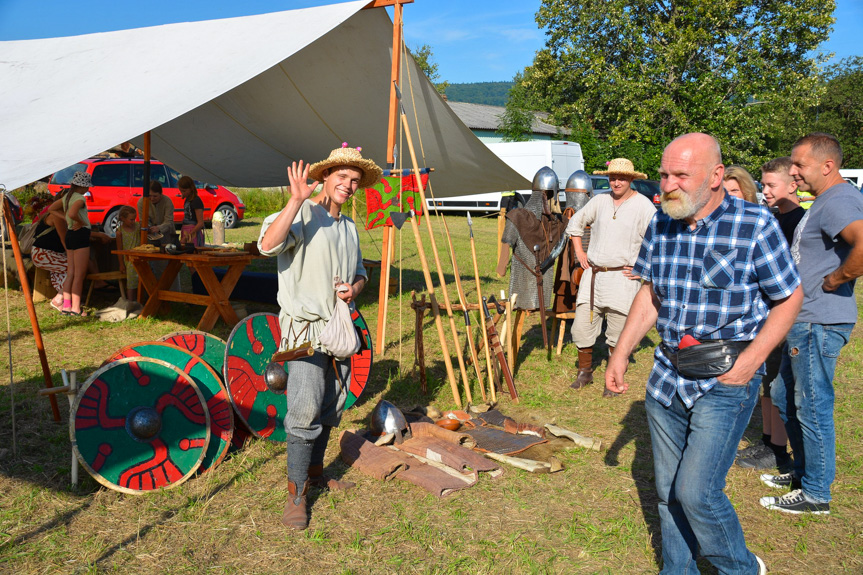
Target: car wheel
[[111, 223], [230, 216]]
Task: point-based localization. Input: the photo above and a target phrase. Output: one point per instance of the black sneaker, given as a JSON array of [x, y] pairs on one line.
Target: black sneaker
[[795, 502], [781, 481]]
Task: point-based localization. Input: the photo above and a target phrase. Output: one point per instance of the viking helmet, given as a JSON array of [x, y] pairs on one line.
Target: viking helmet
[[545, 180], [579, 189], [387, 418]]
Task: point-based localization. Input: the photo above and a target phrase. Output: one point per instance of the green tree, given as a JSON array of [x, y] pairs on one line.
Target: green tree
[[517, 120], [841, 109], [645, 71], [424, 57]]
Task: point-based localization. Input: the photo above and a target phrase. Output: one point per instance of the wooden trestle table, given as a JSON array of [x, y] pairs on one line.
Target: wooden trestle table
[[217, 299]]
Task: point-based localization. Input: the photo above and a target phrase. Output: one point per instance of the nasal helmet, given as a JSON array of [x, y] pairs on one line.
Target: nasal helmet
[[545, 180]]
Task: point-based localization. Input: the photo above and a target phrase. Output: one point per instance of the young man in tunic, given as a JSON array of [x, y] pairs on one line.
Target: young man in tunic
[[617, 222], [319, 259], [719, 284]]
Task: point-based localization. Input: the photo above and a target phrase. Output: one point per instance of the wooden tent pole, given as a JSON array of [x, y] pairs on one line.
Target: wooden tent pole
[[145, 192], [488, 365], [392, 126], [31, 310]]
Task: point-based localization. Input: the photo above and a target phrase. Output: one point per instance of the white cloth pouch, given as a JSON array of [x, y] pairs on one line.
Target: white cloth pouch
[[339, 336]]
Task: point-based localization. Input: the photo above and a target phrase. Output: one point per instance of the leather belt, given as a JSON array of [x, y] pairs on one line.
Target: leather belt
[[595, 270]]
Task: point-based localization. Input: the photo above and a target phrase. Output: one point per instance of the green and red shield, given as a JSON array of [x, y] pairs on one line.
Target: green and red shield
[[205, 345], [139, 424], [208, 381]]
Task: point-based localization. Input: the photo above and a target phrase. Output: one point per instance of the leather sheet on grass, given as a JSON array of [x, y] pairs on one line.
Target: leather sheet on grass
[[420, 429], [492, 440], [459, 458], [374, 461]]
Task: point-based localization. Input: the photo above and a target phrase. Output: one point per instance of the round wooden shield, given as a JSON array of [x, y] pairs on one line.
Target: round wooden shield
[[250, 347], [205, 345], [208, 381], [139, 424], [361, 362]]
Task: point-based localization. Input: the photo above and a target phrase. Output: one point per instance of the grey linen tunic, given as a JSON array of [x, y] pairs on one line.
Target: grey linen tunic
[[613, 243], [317, 249]]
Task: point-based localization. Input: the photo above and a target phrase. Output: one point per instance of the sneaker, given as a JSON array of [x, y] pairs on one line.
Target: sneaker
[[762, 568], [781, 481], [795, 502], [760, 459]]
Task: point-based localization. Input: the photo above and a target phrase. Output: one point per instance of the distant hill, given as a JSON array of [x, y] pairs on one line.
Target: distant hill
[[489, 93]]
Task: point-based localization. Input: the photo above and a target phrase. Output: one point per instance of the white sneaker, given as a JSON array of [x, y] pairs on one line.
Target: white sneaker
[[762, 568]]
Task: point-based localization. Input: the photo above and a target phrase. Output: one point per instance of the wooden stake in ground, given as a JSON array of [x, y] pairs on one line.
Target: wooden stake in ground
[[481, 315]]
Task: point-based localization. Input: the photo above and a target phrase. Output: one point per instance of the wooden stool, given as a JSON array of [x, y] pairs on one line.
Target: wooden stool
[[42, 288], [115, 275], [556, 316]]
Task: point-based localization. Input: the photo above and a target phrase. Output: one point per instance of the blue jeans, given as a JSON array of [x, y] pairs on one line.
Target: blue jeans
[[693, 450], [804, 395]]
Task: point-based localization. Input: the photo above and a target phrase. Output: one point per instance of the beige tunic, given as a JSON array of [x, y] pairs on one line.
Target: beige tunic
[[614, 242], [318, 249]]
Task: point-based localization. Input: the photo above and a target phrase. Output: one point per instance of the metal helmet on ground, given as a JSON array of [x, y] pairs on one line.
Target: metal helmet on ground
[[387, 418], [545, 180], [579, 189]]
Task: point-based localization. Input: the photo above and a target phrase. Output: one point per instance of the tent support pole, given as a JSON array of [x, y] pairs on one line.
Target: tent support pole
[[31, 310], [392, 126], [145, 193]]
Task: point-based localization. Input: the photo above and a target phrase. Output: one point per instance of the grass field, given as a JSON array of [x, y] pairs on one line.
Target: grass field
[[598, 515]]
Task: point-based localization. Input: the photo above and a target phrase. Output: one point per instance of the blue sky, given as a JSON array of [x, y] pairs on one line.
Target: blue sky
[[472, 41]]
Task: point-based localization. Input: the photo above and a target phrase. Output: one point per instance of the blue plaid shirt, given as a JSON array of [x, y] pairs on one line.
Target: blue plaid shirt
[[711, 282]]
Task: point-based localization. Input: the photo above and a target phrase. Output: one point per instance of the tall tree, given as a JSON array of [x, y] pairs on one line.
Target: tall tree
[[648, 70], [424, 58], [841, 109]]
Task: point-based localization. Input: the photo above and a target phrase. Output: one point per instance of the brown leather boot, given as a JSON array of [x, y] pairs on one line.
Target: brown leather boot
[[605, 391], [585, 368], [295, 515], [321, 481]]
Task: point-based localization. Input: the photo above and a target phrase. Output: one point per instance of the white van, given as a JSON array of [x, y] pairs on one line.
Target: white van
[[526, 158], [853, 177]]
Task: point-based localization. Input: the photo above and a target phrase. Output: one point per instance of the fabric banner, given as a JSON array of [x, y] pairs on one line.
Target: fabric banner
[[397, 191]]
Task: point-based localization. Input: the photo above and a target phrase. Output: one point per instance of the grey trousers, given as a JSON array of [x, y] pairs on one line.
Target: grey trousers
[[584, 332], [316, 396]]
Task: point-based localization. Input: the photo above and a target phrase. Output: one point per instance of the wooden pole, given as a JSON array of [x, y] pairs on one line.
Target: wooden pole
[[392, 127], [462, 300], [441, 278], [31, 310], [145, 192], [488, 366], [435, 311]]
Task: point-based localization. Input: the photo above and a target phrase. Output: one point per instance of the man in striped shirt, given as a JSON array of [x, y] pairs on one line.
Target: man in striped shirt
[[715, 268]]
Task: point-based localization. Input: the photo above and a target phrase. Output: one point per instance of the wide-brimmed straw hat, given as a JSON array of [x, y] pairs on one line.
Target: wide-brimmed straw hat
[[621, 167], [346, 156], [81, 179]]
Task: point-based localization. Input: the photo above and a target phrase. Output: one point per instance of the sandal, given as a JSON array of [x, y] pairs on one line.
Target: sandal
[[75, 313], [57, 307]]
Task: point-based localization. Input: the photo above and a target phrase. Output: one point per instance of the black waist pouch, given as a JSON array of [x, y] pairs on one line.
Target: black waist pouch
[[707, 359]]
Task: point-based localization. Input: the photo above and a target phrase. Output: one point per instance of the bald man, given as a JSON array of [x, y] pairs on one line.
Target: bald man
[[722, 290], [828, 248]]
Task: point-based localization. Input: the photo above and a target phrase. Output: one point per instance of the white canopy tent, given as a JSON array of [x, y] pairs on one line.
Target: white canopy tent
[[231, 101]]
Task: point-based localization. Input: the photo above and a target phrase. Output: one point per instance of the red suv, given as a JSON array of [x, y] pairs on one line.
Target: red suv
[[118, 181]]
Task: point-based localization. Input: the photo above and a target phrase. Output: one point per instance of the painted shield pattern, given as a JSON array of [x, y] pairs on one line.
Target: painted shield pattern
[[208, 381], [139, 424], [205, 345], [250, 347], [361, 362]]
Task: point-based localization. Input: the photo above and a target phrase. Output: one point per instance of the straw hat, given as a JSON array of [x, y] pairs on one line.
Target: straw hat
[[346, 156], [621, 167]]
